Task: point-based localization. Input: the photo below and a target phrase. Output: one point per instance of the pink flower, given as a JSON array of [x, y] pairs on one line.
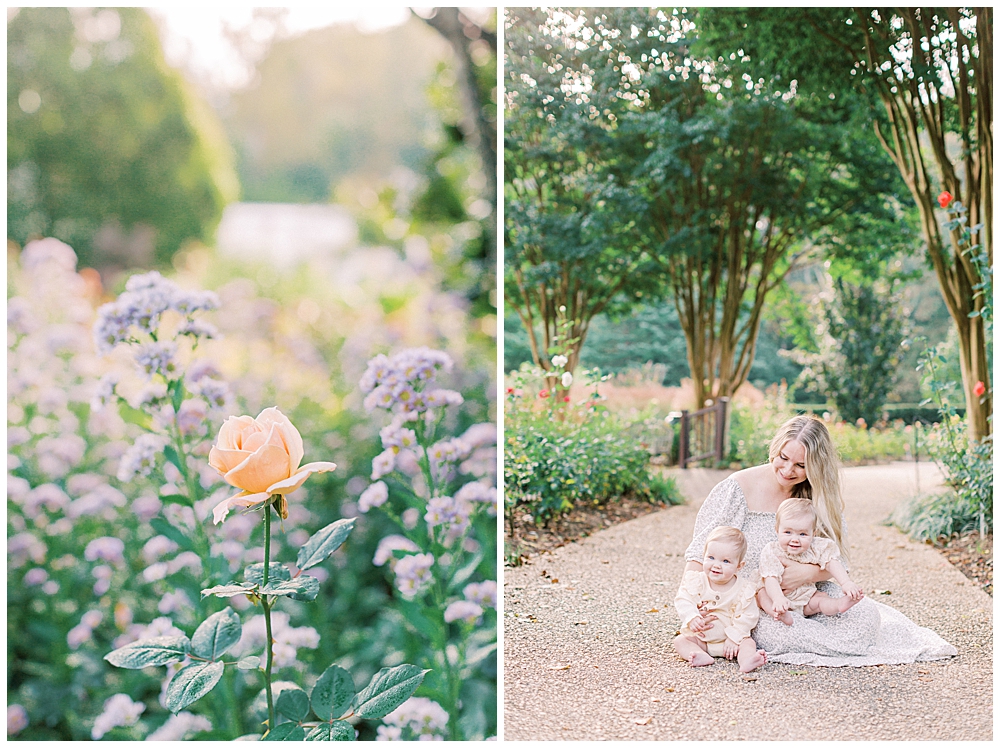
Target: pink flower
[[261, 456], [979, 390], [944, 199], [543, 394]]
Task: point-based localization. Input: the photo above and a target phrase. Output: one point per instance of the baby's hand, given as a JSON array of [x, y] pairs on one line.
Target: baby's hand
[[702, 622], [852, 590], [779, 606], [730, 649]]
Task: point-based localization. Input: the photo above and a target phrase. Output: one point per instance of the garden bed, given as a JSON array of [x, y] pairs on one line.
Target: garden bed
[[972, 556]]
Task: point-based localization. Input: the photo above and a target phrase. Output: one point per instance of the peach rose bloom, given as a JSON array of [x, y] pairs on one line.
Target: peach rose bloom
[[261, 457]]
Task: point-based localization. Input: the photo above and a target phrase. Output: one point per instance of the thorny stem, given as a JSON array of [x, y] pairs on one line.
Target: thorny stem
[[267, 616]]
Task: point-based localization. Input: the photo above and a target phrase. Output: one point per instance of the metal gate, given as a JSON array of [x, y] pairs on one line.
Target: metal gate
[[703, 433]]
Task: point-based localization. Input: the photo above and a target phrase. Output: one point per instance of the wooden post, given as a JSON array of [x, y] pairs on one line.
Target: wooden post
[[683, 451], [720, 428]]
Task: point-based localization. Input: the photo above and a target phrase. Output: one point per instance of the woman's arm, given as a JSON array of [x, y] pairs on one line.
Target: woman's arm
[[797, 574], [693, 566]]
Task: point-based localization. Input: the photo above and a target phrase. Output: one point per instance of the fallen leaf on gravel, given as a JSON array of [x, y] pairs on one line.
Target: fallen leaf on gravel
[[798, 672], [749, 678], [579, 623], [669, 690], [656, 700], [555, 581], [605, 562], [558, 666], [923, 672], [890, 557], [644, 721], [652, 610], [881, 592], [925, 680], [732, 723]]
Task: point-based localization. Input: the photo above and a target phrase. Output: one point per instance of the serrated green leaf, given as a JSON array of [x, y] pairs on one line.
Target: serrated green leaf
[[162, 527], [218, 633], [229, 590], [324, 542], [389, 688], [301, 588], [249, 663], [158, 650], [286, 731], [191, 683], [293, 703], [338, 730], [333, 693], [276, 572]]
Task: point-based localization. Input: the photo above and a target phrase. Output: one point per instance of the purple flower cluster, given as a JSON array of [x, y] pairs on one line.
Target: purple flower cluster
[[139, 309], [119, 711], [402, 382], [417, 718]]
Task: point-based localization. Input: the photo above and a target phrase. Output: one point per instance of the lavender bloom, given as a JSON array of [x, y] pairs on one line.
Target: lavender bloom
[[157, 358], [17, 719], [146, 507], [119, 711], [391, 543], [214, 392], [81, 483], [181, 726], [395, 381], [480, 435], [23, 546], [192, 415], [156, 547], [101, 498], [383, 464], [103, 575], [440, 398], [375, 495], [47, 495], [171, 602], [105, 549], [140, 458], [413, 574], [464, 610], [104, 392], [35, 576], [395, 437], [484, 593], [419, 717], [197, 328], [17, 489]]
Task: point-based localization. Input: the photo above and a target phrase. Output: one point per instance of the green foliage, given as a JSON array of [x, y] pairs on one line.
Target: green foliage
[[218, 633], [319, 547], [118, 144], [560, 454], [860, 333], [158, 650], [191, 683]]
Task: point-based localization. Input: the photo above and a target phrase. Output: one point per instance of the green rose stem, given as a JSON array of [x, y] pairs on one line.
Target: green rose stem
[[267, 614]]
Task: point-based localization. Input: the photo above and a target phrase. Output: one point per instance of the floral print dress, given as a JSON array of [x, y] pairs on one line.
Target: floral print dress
[[869, 633]]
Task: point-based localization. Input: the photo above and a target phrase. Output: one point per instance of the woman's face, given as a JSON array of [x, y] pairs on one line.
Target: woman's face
[[789, 465]]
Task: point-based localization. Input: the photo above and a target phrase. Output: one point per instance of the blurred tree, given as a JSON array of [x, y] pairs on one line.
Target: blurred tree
[[931, 70], [861, 330], [724, 182], [571, 251], [108, 149]]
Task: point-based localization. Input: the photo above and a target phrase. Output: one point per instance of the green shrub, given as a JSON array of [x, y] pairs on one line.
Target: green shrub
[[558, 454]]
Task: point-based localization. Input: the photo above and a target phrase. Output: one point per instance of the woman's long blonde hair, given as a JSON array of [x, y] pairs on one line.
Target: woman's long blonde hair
[[822, 483]]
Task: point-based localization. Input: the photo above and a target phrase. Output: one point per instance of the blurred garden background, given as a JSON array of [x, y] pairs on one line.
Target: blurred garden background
[[328, 180], [790, 209]]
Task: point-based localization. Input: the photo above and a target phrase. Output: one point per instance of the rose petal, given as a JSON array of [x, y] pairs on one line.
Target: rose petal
[[232, 431], [288, 485], [225, 460], [289, 434], [241, 499], [268, 434], [264, 467]]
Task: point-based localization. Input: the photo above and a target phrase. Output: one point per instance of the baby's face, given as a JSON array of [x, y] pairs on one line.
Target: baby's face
[[795, 534], [721, 561]]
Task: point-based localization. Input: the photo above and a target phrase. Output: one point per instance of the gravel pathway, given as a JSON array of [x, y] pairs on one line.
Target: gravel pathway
[[587, 633]]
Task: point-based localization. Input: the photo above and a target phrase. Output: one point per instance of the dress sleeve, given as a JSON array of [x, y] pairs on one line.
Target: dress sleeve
[[770, 564], [826, 550], [724, 506], [688, 597], [745, 615]]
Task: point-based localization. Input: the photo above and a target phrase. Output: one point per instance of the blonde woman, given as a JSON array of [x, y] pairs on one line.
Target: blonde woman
[[803, 464]]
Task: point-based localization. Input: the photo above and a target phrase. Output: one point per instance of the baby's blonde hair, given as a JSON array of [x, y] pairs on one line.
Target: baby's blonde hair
[[795, 508], [732, 535], [822, 483]]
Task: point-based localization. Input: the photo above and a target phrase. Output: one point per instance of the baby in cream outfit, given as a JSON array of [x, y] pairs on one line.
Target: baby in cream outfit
[[796, 525], [717, 606]]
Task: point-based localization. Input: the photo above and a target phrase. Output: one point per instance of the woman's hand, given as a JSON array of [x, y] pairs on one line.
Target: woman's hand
[[797, 575], [730, 649]]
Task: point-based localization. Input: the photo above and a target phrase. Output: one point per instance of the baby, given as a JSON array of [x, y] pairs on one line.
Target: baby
[[796, 526], [717, 606]]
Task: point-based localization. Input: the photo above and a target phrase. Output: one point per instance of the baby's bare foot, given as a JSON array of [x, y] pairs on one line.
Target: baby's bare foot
[[754, 662], [701, 659], [786, 618], [845, 603]]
